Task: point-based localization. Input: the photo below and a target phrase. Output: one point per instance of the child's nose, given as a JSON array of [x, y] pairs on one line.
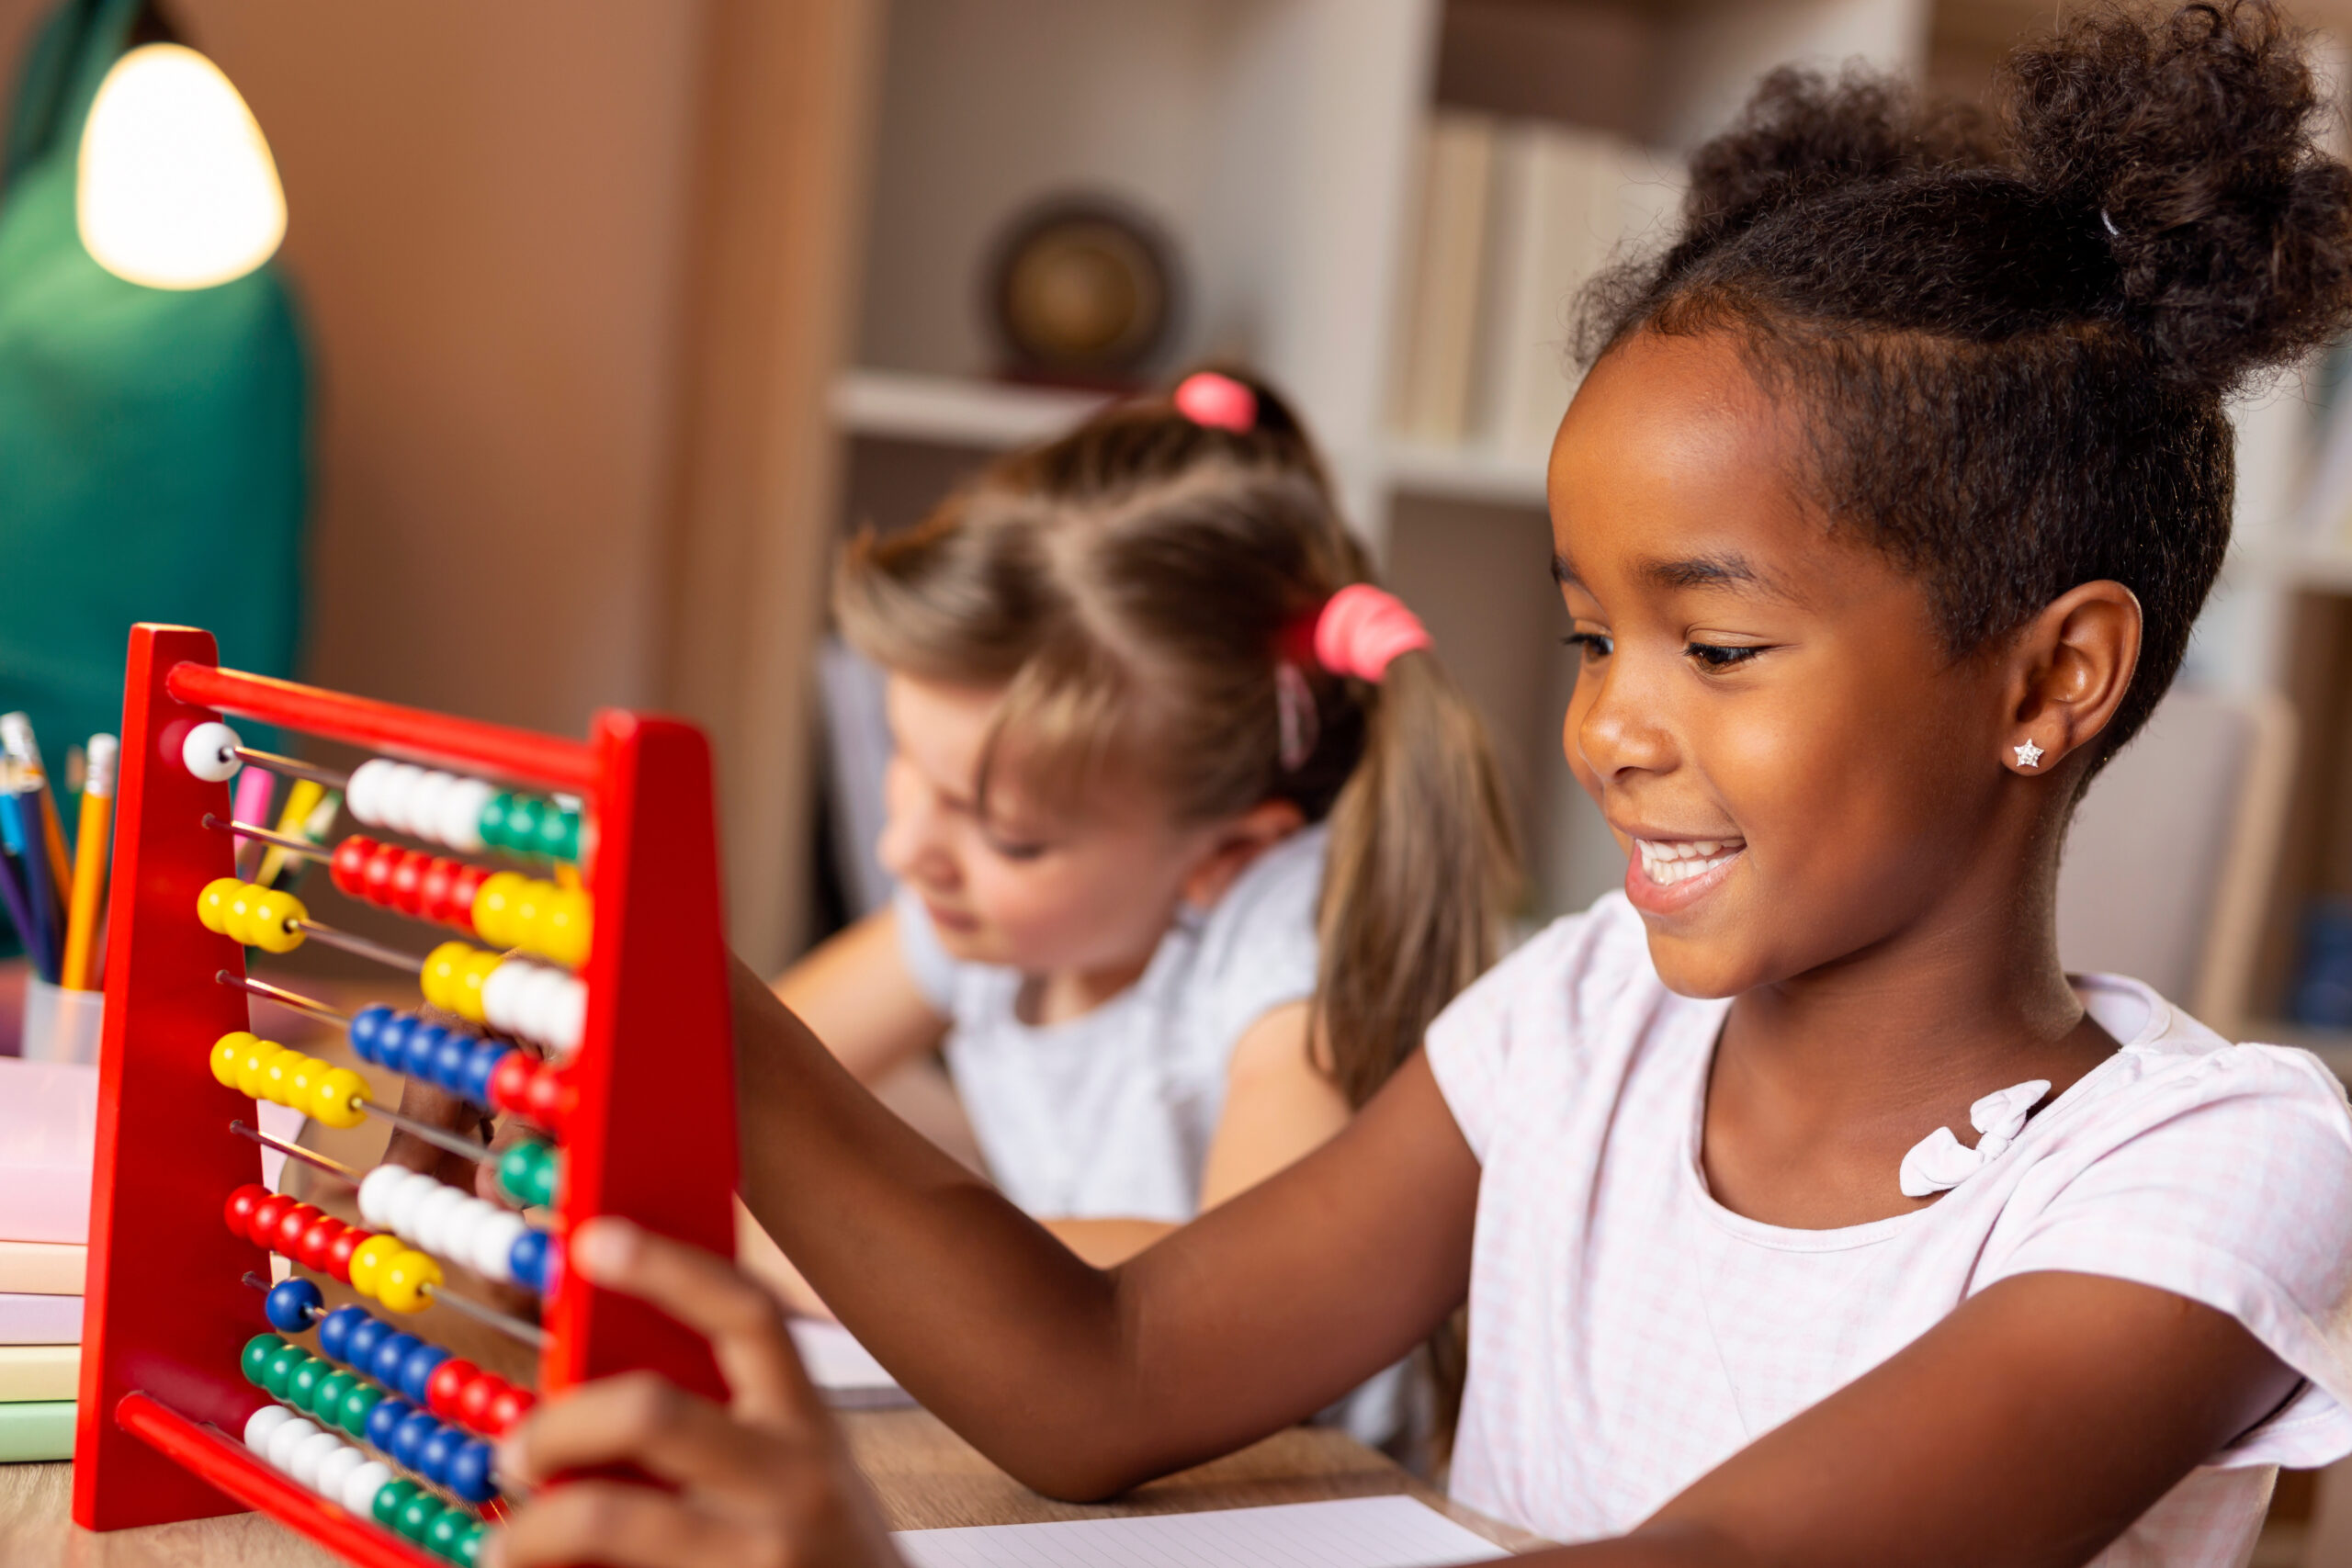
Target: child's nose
[[912, 848], [1620, 732]]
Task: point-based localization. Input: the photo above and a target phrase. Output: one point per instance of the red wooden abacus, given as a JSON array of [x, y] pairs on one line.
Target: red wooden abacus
[[651, 1135]]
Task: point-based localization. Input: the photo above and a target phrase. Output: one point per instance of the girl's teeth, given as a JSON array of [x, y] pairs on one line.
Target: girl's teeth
[[1681, 860]]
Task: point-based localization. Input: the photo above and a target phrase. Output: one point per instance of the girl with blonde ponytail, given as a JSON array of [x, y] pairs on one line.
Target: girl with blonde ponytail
[[1193, 834]]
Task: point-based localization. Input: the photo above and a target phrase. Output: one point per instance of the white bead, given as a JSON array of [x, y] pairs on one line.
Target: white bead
[[425, 805], [461, 814], [569, 1024], [400, 1207], [211, 753], [359, 1488], [336, 1469], [312, 1453], [535, 1000], [286, 1439], [426, 1223], [376, 1189], [499, 1008], [360, 791], [399, 793], [463, 1227], [262, 1423], [493, 1242]]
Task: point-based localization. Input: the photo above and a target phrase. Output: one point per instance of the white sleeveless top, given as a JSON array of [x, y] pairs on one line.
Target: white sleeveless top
[[1109, 1114], [1628, 1334]]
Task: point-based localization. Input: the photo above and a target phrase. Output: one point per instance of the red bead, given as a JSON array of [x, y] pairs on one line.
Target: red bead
[[262, 1224], [239, 1209], [510, 1082], [348, 869], [311, 1252], [377, 875], [407, 882], [475, 1399], [550, 1097], [448, 1384], [509, 1405], [288, 1235], [465, 883], [339, 1251], [433, 894]]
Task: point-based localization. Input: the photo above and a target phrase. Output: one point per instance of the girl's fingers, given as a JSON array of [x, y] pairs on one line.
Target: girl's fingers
[[644, 1419], [746, 1332], [624, 1526]]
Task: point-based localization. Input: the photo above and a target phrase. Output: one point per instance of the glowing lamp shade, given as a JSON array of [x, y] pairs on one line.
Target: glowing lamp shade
[[177, 187]]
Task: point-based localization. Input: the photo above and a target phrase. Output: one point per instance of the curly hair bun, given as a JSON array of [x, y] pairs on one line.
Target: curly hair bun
[[2191, 142]]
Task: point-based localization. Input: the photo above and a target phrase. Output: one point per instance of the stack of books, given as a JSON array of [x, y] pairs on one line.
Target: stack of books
[[48, 1121], [1515, 218]]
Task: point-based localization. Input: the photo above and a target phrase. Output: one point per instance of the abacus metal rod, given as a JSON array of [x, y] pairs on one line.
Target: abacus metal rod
[[293, 765], [438, 1137], [391, 956], [530, 1333], [291, 845], [296, 1151], [284, 998]]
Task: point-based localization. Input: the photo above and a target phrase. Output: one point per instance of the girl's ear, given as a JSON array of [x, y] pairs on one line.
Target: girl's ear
[[2070, 668], [1233, 844]]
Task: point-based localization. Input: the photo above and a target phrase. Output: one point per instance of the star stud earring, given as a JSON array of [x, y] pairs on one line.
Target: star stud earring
[[2029, 755]]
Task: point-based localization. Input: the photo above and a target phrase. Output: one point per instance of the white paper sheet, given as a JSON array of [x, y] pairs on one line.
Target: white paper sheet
[[845, 1369], [1358, 1532]]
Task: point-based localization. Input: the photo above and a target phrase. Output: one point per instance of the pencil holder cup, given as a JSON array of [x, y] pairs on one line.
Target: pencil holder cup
[[62, 1025]]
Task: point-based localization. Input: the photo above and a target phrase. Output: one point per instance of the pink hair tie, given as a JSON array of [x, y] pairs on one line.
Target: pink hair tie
[[1362, 629], [1217, 402]]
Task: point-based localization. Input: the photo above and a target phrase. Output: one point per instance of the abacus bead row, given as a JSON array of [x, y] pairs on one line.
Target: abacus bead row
[[403, 1424], [265, 1070], [531, 1173], [509, 994], [449, 1386], [251, 915], [435, 1216], [315, 1240], [541, 1090], [467, 814], [405, 1043], [316, 1460], [514, 910], [429, 888], [378, 1267]]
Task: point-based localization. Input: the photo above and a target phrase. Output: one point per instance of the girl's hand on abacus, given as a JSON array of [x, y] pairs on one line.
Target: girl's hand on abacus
[[764, 1479]]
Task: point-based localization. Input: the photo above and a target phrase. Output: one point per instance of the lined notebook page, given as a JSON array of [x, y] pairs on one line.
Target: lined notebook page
[[1358, 1532]]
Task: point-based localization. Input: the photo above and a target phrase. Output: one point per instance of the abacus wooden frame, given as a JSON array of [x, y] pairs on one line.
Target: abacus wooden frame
[[167, 1310]]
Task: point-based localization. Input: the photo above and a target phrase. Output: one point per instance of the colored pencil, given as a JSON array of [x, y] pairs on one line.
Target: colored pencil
[[301, 798], [26, 860], [89, 865], [250, 803], [17, 737], [12, 894]]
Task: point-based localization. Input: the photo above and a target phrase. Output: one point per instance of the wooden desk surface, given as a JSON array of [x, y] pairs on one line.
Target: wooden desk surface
[[927, 1478]]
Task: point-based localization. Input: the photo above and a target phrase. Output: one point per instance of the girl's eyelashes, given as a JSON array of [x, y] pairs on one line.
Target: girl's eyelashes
[[1017, 849], [1720, 656], [1594, 645]]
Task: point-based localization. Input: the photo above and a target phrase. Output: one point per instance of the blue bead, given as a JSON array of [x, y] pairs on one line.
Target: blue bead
[[291, 1304], [384, 1366], [362, 1340], [470, 1472], [385, 1419], [434, 1457], [528, 1259], [480, 1063], [335, 1331], [416, 1370], [391, 1039], [409, 1437], [450, 1060], [365, 1025], [416, 1052]]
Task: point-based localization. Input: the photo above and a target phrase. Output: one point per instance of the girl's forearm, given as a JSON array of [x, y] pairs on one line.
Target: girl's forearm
[[1107, 1243]]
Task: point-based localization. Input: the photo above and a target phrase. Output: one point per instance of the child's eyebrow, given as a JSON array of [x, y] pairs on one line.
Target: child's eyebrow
[[1726, 570]]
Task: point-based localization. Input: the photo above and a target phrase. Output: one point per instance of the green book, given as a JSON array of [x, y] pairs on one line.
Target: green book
[[42, 1428]]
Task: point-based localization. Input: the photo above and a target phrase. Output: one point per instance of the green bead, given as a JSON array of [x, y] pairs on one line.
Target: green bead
[[468, 1546], [279, 1369], [524, 815], [441, 1536], [556, 828], [334, 1389], [303, 1383], [258, 1351], [570, 848], [492, 826], [543, 1179], [416, 1515], [390, 1497], [353, 1417], [515, 1171]]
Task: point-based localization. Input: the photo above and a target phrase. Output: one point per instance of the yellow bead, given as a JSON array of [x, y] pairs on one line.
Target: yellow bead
[[212, 904], [495, 909], [467, 1001], [278, 1077], [252, 1080], [239, 920], [228, 1054], [303, 1080], [332, 1096], [273, 915], [402, 1282], [439, 980], [368, 1263]]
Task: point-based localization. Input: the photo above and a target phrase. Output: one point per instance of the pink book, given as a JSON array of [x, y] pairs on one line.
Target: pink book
[[40, 1320], [48, 1117]]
